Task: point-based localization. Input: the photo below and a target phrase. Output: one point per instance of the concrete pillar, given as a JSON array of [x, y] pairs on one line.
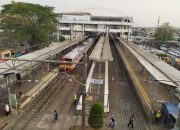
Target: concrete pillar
[[48, 67], [70, 31], [83, 29], [58, 25], [107, 30], [177, 125], [7, 80]]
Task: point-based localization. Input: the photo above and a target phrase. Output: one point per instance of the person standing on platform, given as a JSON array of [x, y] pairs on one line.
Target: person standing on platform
[[7, 109], [55, 115], [18, 77], [75, 99], [20, 93], [153, 114], [158, 117], [131, 121], [112, 123]]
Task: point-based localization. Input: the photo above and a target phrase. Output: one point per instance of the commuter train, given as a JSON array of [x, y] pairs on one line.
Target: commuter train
[[75, 55]]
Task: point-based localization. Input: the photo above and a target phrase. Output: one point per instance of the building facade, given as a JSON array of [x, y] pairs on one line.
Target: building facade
[[81, 23]]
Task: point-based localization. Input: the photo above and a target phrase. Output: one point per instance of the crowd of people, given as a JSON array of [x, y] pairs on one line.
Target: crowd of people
[[156, 119]]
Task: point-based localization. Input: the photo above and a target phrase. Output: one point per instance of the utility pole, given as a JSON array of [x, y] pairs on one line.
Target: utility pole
[[84, 91], [158, 21]]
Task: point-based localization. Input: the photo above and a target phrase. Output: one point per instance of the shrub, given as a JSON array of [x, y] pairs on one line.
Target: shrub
[[96, 116]]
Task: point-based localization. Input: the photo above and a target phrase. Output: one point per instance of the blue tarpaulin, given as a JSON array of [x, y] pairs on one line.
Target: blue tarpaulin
[[169, 114], [171, 109]]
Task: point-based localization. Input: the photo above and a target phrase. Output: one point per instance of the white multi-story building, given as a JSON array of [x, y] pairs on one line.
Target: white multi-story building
[[81, 23]]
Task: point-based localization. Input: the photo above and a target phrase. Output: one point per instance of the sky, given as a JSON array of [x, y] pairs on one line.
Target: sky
[[145, 13]]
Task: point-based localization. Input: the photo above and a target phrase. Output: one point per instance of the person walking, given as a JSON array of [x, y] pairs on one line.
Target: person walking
[[112, 123], [75, 99], [55, 115], [131, 121], [20, 93], [18, 77], [158, 117], [153, 114], [7, 109]]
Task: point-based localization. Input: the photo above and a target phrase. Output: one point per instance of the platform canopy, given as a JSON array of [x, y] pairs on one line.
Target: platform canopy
[[102, 51], [96, 53], [106, 53], [161, 71]]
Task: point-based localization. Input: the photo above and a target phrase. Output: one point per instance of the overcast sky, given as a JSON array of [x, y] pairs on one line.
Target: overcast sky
[[144, 12]]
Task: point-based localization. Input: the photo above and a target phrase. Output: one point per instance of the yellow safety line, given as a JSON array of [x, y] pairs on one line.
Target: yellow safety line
[[139, 85], [46, 77]]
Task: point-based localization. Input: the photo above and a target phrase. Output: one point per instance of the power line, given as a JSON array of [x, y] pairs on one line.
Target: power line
[[36, 60]]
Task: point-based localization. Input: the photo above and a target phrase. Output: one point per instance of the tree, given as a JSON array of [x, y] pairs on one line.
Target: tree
[[62, 38], [179, 40], [96, 116], [163, 34], [26, 22]]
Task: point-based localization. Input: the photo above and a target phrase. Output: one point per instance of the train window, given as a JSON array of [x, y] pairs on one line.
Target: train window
[[67, 59], [7, 55], [12, 53]]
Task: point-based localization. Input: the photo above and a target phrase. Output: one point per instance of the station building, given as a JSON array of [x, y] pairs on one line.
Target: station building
[[81, 23]]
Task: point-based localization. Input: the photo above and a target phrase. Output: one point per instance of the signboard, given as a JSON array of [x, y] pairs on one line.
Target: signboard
[[13, 100], [96, 81]]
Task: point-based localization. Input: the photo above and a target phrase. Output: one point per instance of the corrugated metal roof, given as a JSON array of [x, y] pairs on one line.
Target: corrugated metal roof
[[37, 55], [74, 52], [164, 73], [96, 53], [74, 13], [107, 55], [102, 50]]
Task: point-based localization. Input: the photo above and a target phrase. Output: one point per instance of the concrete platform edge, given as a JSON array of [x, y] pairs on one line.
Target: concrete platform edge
[[146, 107], [39, 88], [14, 118]]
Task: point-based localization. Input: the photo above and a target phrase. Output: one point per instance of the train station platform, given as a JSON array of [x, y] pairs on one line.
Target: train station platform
[[95, 85], [43, 77], [151, 93], [29, 92]]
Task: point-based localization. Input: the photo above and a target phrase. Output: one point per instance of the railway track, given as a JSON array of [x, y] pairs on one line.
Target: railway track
[[57, 96], [66, 107], [41, 103], [128, 98]]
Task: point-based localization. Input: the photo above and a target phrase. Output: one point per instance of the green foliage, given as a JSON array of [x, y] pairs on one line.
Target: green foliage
[[62, 38], [26, 22], [96, 116], [161, 55], [163, 34], [179, 40]]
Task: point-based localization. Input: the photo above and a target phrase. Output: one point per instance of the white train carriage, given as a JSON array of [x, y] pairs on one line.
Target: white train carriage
[[75, 55]]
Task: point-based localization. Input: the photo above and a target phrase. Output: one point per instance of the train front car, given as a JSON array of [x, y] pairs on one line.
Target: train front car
[[65, 64], [71, 59]]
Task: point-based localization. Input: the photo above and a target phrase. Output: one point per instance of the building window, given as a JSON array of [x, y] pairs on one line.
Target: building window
[[64, 25], [115, 27]]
